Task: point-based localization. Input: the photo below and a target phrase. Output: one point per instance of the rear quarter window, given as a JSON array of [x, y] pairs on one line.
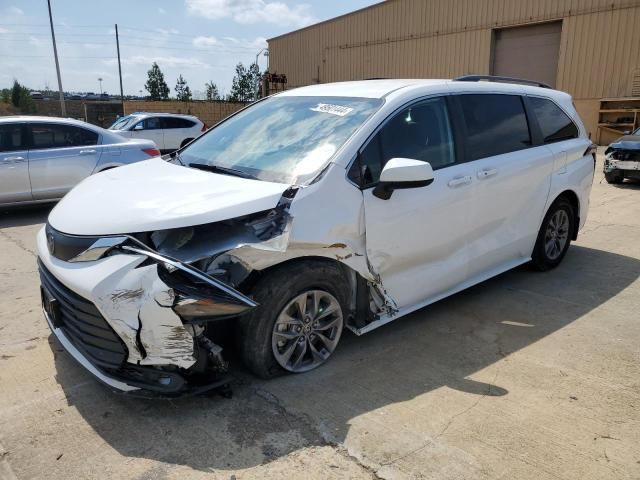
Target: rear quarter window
[[555, 125]]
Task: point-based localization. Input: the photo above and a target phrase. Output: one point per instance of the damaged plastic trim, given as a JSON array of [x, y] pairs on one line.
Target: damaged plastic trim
[[194, 272]]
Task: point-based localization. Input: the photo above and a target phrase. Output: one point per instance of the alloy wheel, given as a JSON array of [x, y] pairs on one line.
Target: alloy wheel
[[557, 234], [307, 331]]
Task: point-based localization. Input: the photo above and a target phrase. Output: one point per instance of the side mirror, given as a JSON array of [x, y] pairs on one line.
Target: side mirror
[[139, 127], [403, 173], [627, 132]]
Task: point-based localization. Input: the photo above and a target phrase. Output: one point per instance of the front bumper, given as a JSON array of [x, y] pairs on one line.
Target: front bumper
[[116, 317]]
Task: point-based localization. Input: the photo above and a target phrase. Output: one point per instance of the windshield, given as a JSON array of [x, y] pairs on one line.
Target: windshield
[[282, 139], [123, 123]]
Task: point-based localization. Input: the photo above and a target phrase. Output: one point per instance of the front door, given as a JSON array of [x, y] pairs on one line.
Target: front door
[[416, 240], [60, 157], [150, 129], [14, 166]]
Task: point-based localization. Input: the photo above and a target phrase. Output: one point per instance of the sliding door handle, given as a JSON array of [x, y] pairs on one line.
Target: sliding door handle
[[460, 181]]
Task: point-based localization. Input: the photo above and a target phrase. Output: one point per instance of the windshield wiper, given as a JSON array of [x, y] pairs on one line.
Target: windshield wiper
[[224, 170]]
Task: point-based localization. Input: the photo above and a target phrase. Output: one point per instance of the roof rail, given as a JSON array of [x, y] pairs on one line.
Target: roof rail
[[494, 78]]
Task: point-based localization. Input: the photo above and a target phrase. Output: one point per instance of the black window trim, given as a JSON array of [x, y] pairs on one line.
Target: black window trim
[[456, 150], [461, 127], [542, 142], [29, 135]]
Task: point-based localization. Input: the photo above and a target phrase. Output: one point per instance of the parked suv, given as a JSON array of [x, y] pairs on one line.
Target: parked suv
[[42, 158], [324, 208], [169, 131]]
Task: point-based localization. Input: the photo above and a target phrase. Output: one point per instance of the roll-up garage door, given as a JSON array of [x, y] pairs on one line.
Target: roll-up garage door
[[529, 52]]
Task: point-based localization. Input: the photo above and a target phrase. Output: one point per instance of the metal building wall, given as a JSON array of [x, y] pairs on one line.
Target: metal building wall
[[600, 44]]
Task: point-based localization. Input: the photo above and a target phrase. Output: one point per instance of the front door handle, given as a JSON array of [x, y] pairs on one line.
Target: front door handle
[[13, 159], [87, 151], [460, 181], [487, 172]]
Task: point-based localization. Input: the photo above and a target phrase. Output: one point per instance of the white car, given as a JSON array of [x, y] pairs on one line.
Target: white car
[[168, 130], [324, 208], [42, 158]]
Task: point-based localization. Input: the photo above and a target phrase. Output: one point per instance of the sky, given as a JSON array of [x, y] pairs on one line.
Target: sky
[[201, 39]]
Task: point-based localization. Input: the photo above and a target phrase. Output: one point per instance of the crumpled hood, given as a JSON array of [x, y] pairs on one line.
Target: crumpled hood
[[156, 195]]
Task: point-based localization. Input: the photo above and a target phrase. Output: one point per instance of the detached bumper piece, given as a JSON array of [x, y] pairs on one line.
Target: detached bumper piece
[[92, 342]]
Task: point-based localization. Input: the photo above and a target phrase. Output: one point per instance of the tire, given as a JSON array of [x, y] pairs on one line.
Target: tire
[[263, 350], [614, 177], [185, 141], [561, 214]]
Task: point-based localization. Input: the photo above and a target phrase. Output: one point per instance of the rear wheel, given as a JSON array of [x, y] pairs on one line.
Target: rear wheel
[[185, 141], [554, 236], [298, 324], [614, 177]]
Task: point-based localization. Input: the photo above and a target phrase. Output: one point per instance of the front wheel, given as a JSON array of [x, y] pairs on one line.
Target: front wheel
[[298, 323], [554, 236]]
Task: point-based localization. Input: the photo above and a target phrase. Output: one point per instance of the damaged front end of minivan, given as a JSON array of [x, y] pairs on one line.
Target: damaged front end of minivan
[[145, 311]]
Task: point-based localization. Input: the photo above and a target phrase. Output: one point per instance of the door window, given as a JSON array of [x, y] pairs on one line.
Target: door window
[[495, 124], [420, 132], [11, 138], [174, 122], [554, 123], [60, 136], [153, 123]]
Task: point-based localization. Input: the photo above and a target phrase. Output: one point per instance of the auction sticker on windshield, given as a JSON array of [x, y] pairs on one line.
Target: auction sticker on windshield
[[332, 109]]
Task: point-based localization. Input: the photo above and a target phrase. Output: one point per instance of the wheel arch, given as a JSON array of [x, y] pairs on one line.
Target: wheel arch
[[573, 198], [357, 283], [185, 141]]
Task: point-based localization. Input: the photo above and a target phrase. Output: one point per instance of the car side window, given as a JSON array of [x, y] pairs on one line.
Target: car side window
[[11, 138], [555, 125], [420, 132], [174, 122], [47, 135], [495, 124], [153, 123]]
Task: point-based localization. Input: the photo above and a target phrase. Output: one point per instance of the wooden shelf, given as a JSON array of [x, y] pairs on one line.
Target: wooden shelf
[[621, 110], [625, 108]]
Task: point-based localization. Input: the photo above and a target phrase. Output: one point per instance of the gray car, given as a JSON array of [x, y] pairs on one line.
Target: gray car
[[42, 158]]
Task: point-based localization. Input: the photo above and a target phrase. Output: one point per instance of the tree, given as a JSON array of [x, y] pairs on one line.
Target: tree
[[212, 91], [156, 86], [16, 92], [246, 83], [183, 93], [21, 98]]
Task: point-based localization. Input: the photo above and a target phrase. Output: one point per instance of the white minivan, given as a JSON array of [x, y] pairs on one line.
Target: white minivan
[[320, 209]]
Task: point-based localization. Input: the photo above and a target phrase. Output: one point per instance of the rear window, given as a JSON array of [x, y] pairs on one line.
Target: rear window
[[11, 138], [496, 124], [60, 136], [554, 123]]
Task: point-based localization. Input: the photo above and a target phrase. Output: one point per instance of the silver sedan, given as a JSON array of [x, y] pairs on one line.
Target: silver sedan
[[42, 158]]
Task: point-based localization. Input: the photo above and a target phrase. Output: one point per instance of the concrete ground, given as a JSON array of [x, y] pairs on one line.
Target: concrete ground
[[526, 376]]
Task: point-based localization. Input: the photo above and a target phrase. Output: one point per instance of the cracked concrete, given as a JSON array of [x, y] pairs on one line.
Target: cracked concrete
[[527, 376]]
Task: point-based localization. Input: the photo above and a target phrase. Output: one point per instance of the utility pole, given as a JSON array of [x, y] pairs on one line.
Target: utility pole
[[119, 69], [63, 109]]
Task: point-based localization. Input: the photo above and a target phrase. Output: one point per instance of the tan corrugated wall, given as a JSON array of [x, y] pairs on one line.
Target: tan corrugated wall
[[599, 48]]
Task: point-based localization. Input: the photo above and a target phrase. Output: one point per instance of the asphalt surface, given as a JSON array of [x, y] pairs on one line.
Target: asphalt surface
[[526, 376]]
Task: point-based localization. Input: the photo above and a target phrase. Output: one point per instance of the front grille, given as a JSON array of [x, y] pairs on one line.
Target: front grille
[[83, 324]]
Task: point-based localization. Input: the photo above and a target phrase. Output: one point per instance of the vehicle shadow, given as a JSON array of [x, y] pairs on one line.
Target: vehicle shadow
[[23, 216], [628, 184], [442, 345]]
